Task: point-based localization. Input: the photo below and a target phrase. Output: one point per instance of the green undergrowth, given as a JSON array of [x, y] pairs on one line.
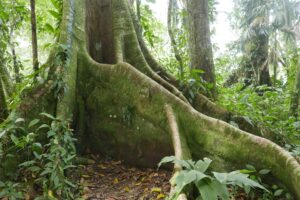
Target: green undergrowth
[[268, 107], [198, 181], [36, 158]]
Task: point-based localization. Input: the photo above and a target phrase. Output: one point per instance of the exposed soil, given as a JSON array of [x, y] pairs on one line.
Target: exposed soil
[[114, 180]]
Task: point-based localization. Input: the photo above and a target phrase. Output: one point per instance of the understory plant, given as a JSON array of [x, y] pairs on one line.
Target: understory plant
[[269, 107], [275, 191], [38, 154], [209, 185]]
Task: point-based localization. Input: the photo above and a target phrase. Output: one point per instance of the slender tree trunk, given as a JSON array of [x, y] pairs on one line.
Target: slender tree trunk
[[13, 51], [171, 13], [35, 60], [138, 9], [15, 64], [4, 75], [294, 108], [3, 106], [199, 41]]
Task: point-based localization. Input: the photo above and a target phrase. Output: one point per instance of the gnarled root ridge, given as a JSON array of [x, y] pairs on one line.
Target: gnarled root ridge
[[126, 119]]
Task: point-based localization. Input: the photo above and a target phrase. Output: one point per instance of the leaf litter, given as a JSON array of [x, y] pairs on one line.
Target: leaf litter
[[114, 180]]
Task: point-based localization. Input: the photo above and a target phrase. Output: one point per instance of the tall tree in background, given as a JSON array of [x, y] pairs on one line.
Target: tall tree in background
[[171, 24], [296, 93], [291, 27], [34, 37], [200, 45], [3, 107], [256, 41], [12, 27]]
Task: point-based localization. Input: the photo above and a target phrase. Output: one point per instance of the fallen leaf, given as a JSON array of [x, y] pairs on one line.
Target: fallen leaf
[[116, 162], [116, 181], [102, 166], [161, 196], [137, 184], [102, 175], [156, 189], [127, 189]]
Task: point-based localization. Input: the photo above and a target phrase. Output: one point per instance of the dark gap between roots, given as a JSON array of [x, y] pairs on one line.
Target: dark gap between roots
[[99, 32]]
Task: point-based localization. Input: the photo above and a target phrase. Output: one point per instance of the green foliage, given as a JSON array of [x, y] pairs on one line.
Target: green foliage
[[49, 151], [267, 107], [151, 27], [210, 185], [60, 61], [56, 14], [10, 190], [274, 191]]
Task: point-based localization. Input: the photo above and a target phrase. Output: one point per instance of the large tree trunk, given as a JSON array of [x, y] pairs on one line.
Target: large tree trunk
[[118, 102], [199, 41]]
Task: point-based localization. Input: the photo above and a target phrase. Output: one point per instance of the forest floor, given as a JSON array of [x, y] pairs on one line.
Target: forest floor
[[113, 180], [104, 179]]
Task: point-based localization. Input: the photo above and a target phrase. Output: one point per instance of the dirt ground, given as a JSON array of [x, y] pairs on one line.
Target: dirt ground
[[114, 180]]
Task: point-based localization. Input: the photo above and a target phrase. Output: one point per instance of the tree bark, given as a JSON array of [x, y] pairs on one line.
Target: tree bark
[[128, 96], [200, 43], [5, 77], [35, 60], [13, 52], [3, 106], [176, 51], [15, 64], [294, 108], [256, 47]]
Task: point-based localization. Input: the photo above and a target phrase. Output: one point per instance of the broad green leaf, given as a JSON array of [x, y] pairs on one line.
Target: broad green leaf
[[207, 190], [2, 133], [246, 171], [20, 120], [203, 165], [48, 116], [264, 171], [251, 167], [278, 192], [33, 122], [14, 139], [221, 177], [43, 126], [55, 14], [239, 179], [166, 159]]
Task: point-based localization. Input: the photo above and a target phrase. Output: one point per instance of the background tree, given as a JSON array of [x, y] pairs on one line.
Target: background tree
[[173, 19], [199, 41], [35, 59], [3, 107], [254, 16]]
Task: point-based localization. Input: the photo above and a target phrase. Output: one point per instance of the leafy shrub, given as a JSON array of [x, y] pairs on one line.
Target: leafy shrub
[[274, 191], [210, 186], [47, 161]]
